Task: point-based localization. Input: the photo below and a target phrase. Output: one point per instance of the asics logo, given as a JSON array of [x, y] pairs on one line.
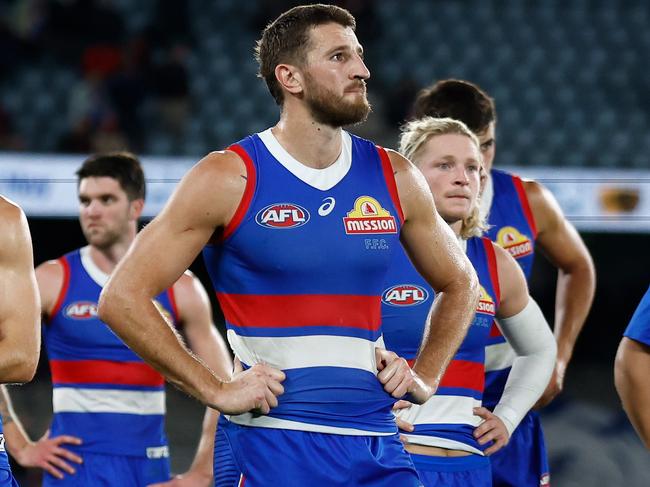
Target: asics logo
[[328, 205]]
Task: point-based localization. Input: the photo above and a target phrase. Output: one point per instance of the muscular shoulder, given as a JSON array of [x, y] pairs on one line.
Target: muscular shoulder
[[512, 283], [10, 212], [49, 277], [215, 185], [14, 228], [191, 297], [546, 210], [411, 185]]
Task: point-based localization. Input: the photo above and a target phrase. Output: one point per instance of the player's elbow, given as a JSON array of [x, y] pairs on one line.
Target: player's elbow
[[111, 302], [19, 368], [472, 285]]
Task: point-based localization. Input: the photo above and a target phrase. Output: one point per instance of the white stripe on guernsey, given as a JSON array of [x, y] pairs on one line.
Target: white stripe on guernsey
[[441, 443], [78, 400], [306, 351], [322, 179], [443, 410], [95, 273], [247, 419], [499, 356]]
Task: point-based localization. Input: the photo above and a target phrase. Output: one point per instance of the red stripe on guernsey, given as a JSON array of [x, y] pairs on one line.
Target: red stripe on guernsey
[[242, 481], [521, 192], [495, 331], [251, 177], [64, 287], [492, 268], [104, 372], [389, 176], [465, 374], [172, 301], [295, 310]]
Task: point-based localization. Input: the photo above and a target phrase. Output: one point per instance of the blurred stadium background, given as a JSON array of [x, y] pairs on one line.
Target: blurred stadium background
[[172, 80]]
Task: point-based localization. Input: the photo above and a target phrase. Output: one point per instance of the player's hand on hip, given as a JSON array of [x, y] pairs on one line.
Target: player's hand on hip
[[491, 429], [399, 379], [48, 454], [255, 389]]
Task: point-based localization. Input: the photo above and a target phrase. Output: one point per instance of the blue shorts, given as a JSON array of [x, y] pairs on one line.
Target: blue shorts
[[226, 472], [472, 470], [268, 456], [6, 478], [101, 470], [523, 461]]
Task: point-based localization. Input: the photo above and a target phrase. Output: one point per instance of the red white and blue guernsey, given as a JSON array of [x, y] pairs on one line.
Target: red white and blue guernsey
[[446, 420], [298, 274], [524, 460], [103, 392], [512, 227]]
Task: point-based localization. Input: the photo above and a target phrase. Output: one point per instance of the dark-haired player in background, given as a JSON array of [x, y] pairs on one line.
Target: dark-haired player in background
[[109, 406], [523, 216]]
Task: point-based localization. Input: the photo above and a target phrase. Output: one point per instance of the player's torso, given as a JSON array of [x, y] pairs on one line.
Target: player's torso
[[512, 227], [447, 419], [102, 391], [299, 282]]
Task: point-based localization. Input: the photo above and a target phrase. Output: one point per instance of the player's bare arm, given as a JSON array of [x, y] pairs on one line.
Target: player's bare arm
[[204, 202], [204, 340], [633, 384], [576, 283], [46, 453], [434, 251], [20, 338]]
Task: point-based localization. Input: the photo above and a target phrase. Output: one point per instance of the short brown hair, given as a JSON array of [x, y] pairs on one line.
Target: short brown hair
[[457, 99], [286, 39], [121, 166]]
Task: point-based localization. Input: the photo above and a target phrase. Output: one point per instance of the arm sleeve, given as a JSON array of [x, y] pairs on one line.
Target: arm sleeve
[[530, 336]]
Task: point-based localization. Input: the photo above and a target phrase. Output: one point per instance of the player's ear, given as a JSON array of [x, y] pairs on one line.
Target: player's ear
[[290, 78], [135, 209]]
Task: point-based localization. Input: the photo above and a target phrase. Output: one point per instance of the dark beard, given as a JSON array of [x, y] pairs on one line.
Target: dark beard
[[329, 109]]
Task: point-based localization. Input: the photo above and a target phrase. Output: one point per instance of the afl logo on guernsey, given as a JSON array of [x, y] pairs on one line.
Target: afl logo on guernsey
[[486, 303], [369, 217], [405, 295], [81, 310], [513, 241], [282, 216]]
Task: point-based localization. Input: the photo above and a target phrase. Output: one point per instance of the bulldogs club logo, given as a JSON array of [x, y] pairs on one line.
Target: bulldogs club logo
[[81, 310], [368, 216], [405, 295], [282, 216], [513, 241]]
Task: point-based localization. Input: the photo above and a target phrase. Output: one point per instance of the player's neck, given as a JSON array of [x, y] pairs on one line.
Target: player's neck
[[309, 142], [106, 259]]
